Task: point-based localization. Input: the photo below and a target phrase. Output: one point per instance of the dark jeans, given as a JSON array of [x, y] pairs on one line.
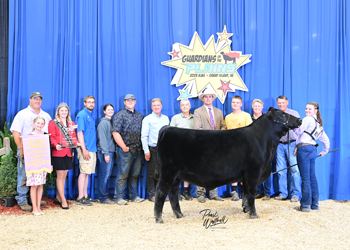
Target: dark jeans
[[105, 173], [306, 156], [128, 170], [151, 167], [265, 188]]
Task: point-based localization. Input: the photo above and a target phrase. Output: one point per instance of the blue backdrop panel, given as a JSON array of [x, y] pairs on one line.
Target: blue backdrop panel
[[70, 49]]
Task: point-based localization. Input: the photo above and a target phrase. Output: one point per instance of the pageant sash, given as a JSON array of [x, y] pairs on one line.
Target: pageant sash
[[67, 140]]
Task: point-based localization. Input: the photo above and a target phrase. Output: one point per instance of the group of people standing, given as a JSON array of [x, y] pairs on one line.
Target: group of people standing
[[297, 149], [129, 135]]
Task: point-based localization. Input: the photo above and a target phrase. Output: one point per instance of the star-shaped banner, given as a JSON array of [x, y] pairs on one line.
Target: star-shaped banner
[[212, 64]]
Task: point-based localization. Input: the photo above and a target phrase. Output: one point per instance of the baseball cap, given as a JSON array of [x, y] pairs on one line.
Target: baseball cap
[[129, 96], [36, 94]]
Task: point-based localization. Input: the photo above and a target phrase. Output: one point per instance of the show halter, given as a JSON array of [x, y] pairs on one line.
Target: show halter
[[297, 163]]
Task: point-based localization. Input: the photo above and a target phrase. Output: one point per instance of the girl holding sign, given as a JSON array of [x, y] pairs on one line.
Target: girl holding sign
[[36, 181]]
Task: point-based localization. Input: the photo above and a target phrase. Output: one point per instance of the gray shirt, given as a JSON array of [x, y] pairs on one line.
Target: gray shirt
[[182, 121], [292, 135], [105, 142]]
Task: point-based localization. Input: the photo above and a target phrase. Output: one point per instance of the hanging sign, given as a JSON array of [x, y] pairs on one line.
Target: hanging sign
[[213, 66]]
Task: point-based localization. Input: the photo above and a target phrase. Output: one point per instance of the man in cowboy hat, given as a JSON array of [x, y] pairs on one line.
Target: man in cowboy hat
[[208, 117]]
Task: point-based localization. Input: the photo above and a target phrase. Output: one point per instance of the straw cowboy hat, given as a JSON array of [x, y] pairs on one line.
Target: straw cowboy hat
[[206, 91]]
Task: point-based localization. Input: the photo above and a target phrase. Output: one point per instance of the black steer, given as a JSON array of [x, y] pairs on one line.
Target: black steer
[[212, 158]]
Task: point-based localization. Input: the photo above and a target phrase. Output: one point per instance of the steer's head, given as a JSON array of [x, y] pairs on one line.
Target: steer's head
[[280, 117]]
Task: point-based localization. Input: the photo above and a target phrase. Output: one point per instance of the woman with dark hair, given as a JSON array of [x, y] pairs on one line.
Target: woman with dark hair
[[310, 130], [63, 138], [105, 152]]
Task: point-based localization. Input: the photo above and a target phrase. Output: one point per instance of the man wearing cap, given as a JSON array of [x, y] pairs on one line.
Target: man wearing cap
[[149, 138], [87, 137], [126, 129], [23, 125], [285, 159], [209, 118]]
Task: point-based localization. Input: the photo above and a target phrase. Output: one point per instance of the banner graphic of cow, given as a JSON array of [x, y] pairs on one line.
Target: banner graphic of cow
[[212, 66]]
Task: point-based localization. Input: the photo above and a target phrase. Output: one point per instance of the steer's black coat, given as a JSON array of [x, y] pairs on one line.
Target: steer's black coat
[[212, 158]]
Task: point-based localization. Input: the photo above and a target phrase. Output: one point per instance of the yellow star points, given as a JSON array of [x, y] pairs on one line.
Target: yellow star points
[[224, 35], [202, 65]]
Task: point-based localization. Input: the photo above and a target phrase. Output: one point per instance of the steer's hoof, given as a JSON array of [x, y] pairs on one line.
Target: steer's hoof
[[159, 220], [179, 215], [253, 216], [245, 209]]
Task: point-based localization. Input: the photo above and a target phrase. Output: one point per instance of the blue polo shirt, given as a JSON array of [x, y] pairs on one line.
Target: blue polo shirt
[[87, 123], [151, 125]]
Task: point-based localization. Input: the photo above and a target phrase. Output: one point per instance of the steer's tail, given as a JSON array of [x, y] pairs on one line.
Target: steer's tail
[[159, 143]]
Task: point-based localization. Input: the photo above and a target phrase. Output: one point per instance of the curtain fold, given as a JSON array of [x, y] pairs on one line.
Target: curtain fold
[[70, 49]]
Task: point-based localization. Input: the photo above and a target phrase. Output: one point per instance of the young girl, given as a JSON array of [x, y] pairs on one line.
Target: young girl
[[36, 181], [310, 130]]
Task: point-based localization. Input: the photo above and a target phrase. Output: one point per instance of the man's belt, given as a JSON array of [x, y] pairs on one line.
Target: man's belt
[[306, 144], [285, 142]]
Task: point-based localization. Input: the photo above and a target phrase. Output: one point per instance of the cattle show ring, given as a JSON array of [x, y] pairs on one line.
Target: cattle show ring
[[178, 124]]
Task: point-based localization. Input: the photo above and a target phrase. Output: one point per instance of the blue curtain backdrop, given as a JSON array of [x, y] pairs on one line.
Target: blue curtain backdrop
[[70, 49]]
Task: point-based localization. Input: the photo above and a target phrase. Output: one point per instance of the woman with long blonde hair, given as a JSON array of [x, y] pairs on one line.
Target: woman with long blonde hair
[[63, 139]]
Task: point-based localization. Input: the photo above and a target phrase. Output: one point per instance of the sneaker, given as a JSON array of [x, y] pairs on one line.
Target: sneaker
[[217, 198], [201, 199], [83, 202], [294, 199], [315, 207], [259, 196], [137, 200], [25, 208], [266, 197], [43, 203], [91, 200], [305, 209], [235, 196], [122, 202], [108, 202], [187, 196], [152, 199], [280, 198]]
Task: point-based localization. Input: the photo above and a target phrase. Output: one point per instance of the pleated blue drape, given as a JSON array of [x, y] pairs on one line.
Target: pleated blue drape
[[70, 49]]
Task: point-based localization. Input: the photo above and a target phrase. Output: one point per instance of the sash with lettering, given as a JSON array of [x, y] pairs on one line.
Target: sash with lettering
[[66, 141], [37, 155]]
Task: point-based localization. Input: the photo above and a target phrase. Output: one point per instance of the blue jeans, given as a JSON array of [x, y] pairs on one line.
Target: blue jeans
[[105, 173], [282, 160], [306, 160], [265, 188], [128, 169], [22, 188]]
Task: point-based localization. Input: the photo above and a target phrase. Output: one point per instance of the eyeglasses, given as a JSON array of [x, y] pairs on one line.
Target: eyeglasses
[[90, 102]]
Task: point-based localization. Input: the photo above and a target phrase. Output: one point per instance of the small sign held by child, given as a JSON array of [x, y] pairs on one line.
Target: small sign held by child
[[37, 154]]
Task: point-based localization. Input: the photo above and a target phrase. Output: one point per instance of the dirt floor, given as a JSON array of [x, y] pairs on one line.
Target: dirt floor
[[279, 226]]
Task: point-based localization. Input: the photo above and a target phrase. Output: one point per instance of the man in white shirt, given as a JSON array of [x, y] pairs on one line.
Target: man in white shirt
[[23, 125]]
